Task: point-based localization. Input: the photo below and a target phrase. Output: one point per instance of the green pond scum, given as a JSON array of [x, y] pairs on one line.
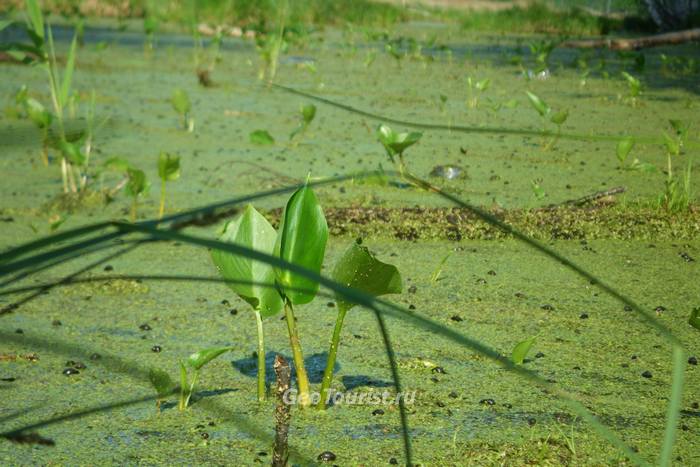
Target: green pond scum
[[474, 246]]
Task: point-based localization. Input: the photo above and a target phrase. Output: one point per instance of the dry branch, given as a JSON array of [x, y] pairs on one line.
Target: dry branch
[[669, 38]]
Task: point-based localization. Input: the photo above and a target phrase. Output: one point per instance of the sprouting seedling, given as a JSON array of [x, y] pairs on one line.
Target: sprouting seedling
[[261, 138], [168, 171], [634, 86], [624, 147], [181, 103], [546, 113], [301, 240], [42, 118], [480, 87], [359, 269], [396, 143], [521, 350], [541, 51], [136, 187], [195, 362], [162, 383], [438, 269], [537, 189], [150, 28], [253, 281], [307, 113]]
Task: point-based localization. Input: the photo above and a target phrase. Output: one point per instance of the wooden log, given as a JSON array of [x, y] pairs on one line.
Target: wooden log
[[669, 38]]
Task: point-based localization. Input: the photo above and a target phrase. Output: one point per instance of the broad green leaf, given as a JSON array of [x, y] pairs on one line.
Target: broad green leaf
[[521, 350], [694, 320], [624, 146], [68, 73], [261, 137], [198, 359], [396, 143], [72, 152], [559, 117], [4, 23], [37, 113], [137, 184], [116, 164], [181, 102], [301, 240], [161, 382], [680, 127], [308, 112], [253, 231], [538, 104], [359, 269], [36, 19], [168, 167]]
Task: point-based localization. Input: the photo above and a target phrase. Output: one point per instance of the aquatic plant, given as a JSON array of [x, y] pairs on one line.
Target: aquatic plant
[[634, 87], [168, 171], [623, 148], [307, 114], [253, 281], [181, 103], [677, 194], [359, 269], [137, 186], [521, 350], [301, 240], [480, 87], [42, 118], [162, 383], [261, 138], [151, 24], [548, 115], [194, 364], [395, 144]]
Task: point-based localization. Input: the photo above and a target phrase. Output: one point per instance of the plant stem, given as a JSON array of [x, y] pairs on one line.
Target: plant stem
[[64, 175], [191, 389], [161, 210], [134, 205], [302, 378], [261, 357], [330, 363]]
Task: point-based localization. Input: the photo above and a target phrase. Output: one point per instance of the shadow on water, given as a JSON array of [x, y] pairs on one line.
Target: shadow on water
[[315, 365]]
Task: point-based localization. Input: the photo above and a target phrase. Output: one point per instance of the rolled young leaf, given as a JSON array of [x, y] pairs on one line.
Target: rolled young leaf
[[198, 359], [302, 241], [250, 230], [539, 105], [521, 350], [359, 269]]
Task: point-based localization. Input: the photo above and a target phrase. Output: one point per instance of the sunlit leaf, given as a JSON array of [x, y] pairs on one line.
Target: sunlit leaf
[[168, 166], [560, 117], [624, 146], [253, 231], [538, 104], [72, 152], [358, 268], [181, 102], [308, 112], [396, 143], [261, 137], [68, 73], [694, 320], [198, 359], [116, 164], [37, 113], [302, 241], [521, 350], [137, 184]]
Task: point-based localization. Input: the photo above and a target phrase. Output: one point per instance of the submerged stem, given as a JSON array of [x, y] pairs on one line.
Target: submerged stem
[[330, 363], [261, 357], [294, 342]]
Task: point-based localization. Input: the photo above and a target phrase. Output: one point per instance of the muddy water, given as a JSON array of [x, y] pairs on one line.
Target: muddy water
[[496, 291]]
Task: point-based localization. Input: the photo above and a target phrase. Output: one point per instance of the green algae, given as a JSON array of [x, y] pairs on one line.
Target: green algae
[[635, 247]]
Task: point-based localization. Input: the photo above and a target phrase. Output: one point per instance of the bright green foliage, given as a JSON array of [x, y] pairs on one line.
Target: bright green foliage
[[181, 102], [558, 118], [72, 153], [198, 359], [624, 146], [168, 167], [521, 350], [635, 86], [261, 138], [252, 280], [138, 184], [301, 241], [37, 113], [307, 113], [359, 269], [396, 143], [538, 104]]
